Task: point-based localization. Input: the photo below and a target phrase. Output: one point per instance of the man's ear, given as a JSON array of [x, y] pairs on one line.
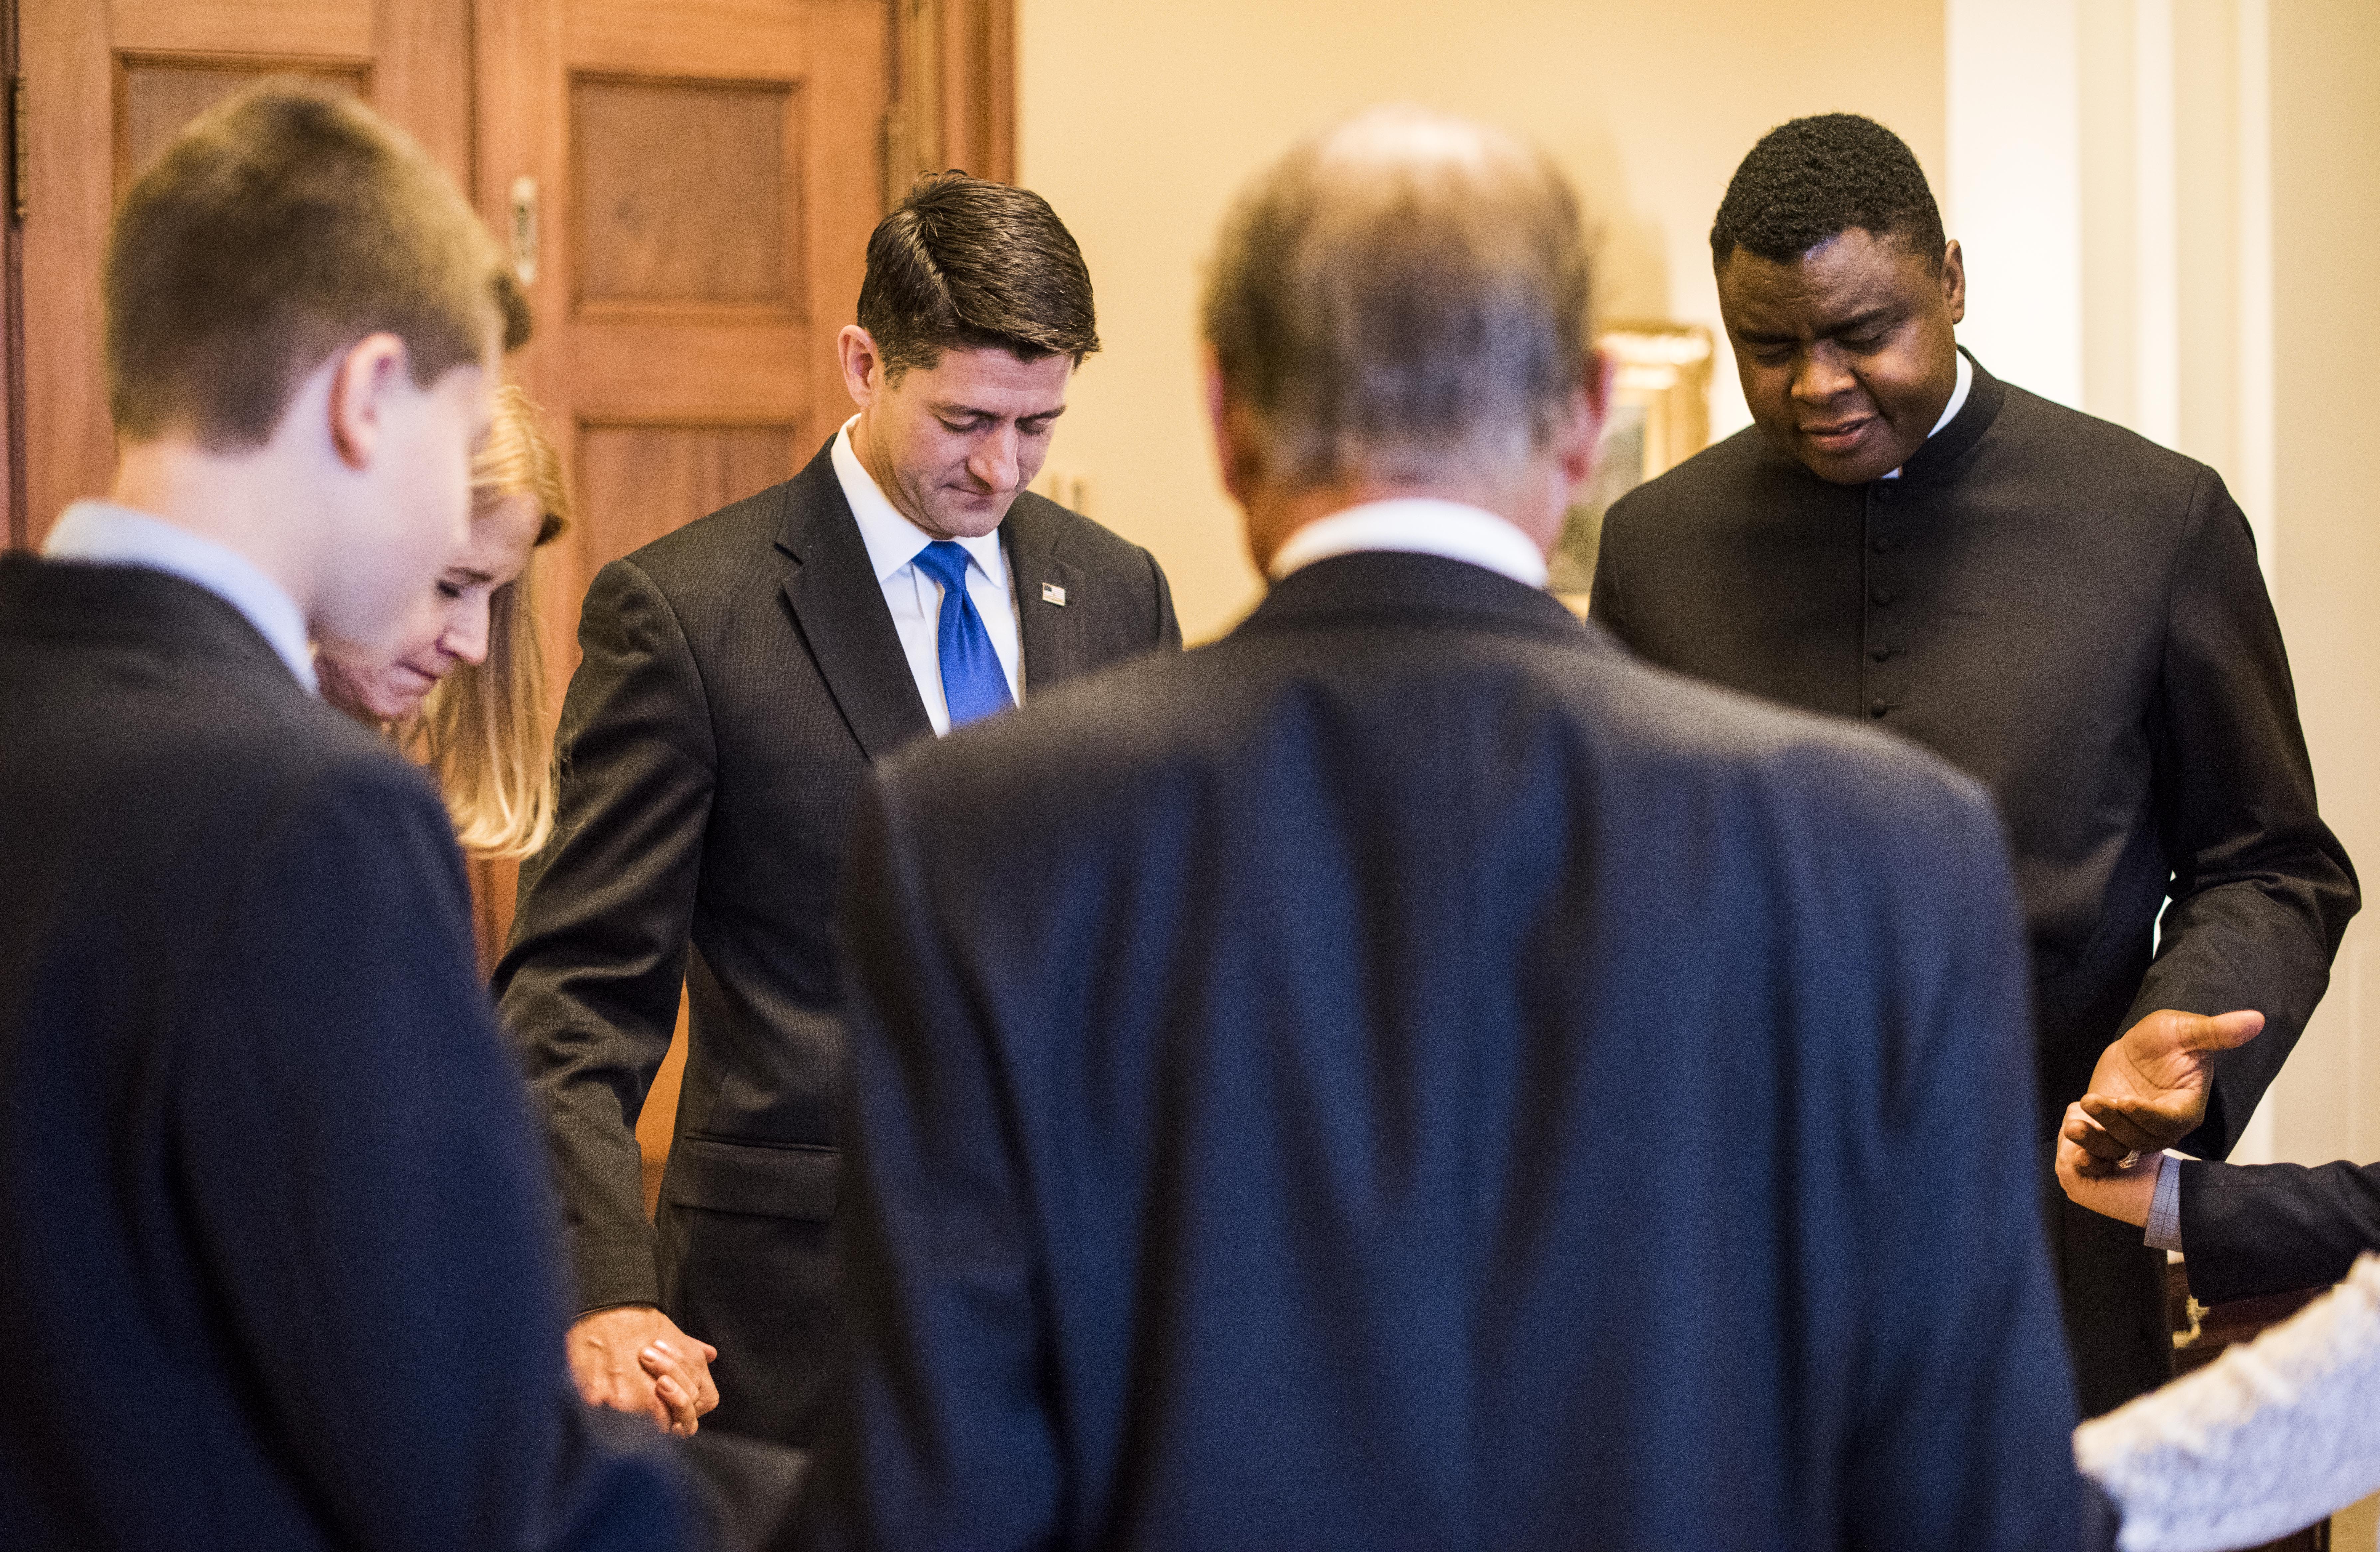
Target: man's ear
[[862, 367], [1580, 436], [1954, 282], [361, 382], [1236, 451]]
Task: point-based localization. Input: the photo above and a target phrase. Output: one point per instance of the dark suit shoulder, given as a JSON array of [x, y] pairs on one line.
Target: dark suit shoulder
[[1074, 536], [733, 548], [1157, 718], [2046, 429]]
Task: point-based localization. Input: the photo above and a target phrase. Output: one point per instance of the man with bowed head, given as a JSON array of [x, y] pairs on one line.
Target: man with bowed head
[[739, 678], [2067, 612], [1407, 1074]]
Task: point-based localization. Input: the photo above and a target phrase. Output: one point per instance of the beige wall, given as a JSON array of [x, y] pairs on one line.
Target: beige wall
[[1138, 121], [2326, 197]]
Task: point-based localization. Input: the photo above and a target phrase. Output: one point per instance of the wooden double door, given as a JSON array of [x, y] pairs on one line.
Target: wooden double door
[[686, 188]]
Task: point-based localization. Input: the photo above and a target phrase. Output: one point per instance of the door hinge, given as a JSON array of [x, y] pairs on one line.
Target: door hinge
[[20, 151]]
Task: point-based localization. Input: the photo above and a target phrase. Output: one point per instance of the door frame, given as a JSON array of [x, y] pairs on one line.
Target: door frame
[[13, 103]]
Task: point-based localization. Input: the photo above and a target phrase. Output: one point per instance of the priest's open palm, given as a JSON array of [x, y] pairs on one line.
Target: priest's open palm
[[2149, 1088]]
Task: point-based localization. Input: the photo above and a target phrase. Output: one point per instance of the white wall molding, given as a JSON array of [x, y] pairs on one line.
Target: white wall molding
[[2014, 197]]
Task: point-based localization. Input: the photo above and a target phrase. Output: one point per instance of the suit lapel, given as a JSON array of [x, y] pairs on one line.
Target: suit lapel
[[839, 607], [1052, 604]]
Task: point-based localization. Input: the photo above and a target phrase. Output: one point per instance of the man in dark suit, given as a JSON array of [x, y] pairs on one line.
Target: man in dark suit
[[740, 676], [2067, 612], [273, 1221], [2243, 1229], [1407, 1075]]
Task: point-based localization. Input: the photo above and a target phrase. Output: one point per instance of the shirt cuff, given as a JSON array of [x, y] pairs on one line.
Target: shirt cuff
[[2164, 1207]]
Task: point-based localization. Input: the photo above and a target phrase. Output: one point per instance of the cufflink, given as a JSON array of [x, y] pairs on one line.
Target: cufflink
[[1053, 593]]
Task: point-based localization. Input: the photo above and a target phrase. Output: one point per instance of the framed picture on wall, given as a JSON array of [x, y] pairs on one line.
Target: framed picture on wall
[[1659, 416]]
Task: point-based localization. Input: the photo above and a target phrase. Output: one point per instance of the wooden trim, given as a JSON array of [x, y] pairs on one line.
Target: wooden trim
[[681, 313], [693, 419], [18, 534], [953, 91]]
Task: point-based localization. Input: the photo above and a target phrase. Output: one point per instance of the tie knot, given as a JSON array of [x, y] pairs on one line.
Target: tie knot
[[946, 562]]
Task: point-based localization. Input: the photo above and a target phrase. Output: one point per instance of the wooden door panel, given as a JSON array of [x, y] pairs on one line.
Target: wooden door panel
[[637, 482], [684, 211]]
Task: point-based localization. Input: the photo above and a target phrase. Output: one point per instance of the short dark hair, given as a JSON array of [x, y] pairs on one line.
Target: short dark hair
[[965, 263], [1817, 177], [278, 230]]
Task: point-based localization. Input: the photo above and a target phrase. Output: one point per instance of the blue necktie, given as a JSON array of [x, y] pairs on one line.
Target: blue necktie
[[973, 684]]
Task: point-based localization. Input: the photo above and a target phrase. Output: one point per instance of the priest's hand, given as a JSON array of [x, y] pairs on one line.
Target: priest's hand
[[2124, 1193], [634, 1359], [2149, 1089]]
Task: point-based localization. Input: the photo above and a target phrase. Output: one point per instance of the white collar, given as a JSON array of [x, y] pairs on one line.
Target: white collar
[[892, 541], [1949, 411], [102, 533], [1421, 526]]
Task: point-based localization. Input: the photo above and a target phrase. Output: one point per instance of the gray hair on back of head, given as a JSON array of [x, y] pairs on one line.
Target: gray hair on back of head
[[1401, 295]]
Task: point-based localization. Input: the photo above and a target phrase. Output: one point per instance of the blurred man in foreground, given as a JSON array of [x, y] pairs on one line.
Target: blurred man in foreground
[[1408, 1075], [269, 1192]]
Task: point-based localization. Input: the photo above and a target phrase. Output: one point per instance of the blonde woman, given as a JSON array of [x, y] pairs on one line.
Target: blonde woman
[[469, 700]]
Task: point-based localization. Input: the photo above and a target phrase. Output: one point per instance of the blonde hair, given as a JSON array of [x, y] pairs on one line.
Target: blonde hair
[[483, 731]]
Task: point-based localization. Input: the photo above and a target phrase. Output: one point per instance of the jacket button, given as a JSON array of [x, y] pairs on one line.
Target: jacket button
[[1877, 708], [1881, 546], [1880, 651], [1881, 596]]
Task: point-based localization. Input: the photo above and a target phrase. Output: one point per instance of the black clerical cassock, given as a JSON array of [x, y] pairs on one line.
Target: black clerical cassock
[[2073, 615]]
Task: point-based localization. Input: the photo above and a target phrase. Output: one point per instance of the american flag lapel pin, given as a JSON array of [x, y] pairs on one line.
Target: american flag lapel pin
[[1053, 593]]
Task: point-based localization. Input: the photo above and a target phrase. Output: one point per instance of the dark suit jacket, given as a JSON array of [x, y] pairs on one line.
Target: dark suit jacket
[[1408, 1077], [2072, 615], [274, 1230], [739, 677], [2254, 1229]]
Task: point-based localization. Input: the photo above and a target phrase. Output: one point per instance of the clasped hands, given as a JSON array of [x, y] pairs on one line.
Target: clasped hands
[[634, 1359], [2147, 1093]]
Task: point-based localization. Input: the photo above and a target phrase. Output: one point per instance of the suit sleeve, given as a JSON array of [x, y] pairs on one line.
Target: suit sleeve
[[591, 985], [2249, 1230], [1168, 629], [1968, 1399], [943, 1436], [2262, 890], [366, 1191], [1605, 606]]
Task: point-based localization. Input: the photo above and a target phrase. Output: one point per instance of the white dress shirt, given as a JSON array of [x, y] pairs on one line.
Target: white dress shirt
[[1949, 411], [894, 543], [1419, 526], [101, 533]]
